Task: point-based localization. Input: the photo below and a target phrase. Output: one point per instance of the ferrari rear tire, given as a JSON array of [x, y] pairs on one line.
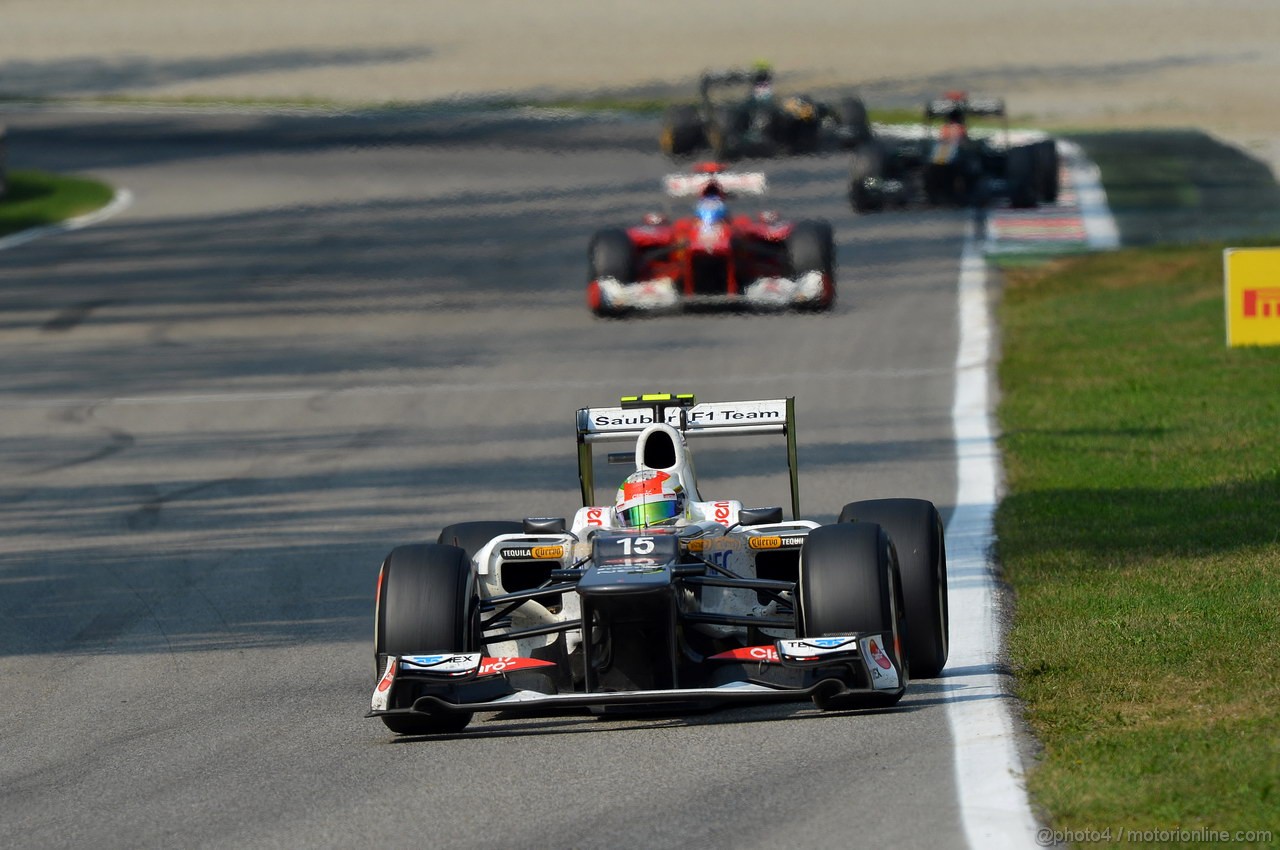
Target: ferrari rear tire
[[811, 248], [915, 528], [847, 584], [427, 602]]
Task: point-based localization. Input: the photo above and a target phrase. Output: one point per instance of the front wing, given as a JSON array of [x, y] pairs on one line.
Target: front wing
[[843, 671], [662, 294]]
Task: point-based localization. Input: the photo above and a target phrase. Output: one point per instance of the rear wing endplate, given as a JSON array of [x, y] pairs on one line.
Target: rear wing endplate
[[708, 419]]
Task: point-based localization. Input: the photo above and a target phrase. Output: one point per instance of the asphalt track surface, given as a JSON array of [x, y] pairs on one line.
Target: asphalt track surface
[[312, 338]]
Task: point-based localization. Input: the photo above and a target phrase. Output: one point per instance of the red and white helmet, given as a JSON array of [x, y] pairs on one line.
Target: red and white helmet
[[649, 497]]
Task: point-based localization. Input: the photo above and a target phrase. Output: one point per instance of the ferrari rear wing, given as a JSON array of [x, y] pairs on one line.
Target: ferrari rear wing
[[626, 421], [731, 182]]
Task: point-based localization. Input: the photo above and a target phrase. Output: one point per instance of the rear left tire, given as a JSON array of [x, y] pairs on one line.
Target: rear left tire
[[681, 131]]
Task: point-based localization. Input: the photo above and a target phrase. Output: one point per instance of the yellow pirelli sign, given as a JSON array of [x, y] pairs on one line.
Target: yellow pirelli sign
[[1252, 278]]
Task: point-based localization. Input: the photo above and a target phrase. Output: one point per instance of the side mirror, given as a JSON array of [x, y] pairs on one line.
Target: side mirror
[[760, 516], [544, 525]]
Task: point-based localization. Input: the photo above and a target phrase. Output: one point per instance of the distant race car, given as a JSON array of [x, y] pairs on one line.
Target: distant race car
[[947, 166], [738, 115], [713, 257], [661, 599]]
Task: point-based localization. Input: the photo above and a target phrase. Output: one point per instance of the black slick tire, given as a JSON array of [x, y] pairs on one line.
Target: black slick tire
[[1046, 155], [471, 537], [866, 172], [915, 528], [681, 131], [811, 248], [610, 254], [1020, 177], [427, 601], [846, 585]]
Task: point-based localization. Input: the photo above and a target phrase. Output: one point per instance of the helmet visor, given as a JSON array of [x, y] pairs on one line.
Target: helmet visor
[[650, 513]]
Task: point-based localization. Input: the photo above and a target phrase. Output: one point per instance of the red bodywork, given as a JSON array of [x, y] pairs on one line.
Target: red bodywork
[[717, 260]]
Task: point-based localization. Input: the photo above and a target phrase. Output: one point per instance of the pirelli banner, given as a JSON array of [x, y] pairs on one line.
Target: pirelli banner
[[1253, 295]]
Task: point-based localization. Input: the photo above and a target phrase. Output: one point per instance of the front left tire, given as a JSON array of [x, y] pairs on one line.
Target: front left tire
[[847, 584]]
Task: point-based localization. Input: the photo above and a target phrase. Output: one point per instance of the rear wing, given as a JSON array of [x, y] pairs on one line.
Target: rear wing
[[719, 79], [709, 419], [730, 182], [968, 105]]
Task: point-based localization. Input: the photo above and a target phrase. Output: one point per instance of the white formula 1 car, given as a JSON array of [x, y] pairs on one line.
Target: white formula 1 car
[[661, 599]]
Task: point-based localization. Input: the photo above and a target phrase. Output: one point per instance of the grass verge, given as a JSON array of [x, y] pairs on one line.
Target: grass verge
[[36, 198], [1141, 534]]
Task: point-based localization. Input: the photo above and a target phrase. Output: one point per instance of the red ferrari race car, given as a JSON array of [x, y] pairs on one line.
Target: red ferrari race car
[[714, 257]]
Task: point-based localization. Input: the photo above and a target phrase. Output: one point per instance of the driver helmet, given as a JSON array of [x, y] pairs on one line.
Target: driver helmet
[[711, 208], [649, 497], [762, 81]]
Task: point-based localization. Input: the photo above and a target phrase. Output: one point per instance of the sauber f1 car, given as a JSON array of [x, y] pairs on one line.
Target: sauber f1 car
[[662, 600], [946, 166], [714, 257], [738, 114]]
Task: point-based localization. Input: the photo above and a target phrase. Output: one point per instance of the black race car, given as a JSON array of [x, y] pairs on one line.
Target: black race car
[[946, 165], [661, 597], [738, 115]]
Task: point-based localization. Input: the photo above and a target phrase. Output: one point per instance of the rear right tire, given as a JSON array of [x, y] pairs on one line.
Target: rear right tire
[[851, 113], [866, 172], [1020, 177], [1047, 171]]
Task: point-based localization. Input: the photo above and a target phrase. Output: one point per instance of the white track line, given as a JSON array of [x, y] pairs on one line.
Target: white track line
[[120, 202], [989, 776], [1100, 229]]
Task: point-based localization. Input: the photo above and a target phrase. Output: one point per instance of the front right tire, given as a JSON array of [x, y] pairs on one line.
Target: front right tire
[[610, 254], [427, 602]]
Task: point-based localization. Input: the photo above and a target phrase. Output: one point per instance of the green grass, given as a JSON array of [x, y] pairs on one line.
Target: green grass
[[35, 198], [1141, 534]]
